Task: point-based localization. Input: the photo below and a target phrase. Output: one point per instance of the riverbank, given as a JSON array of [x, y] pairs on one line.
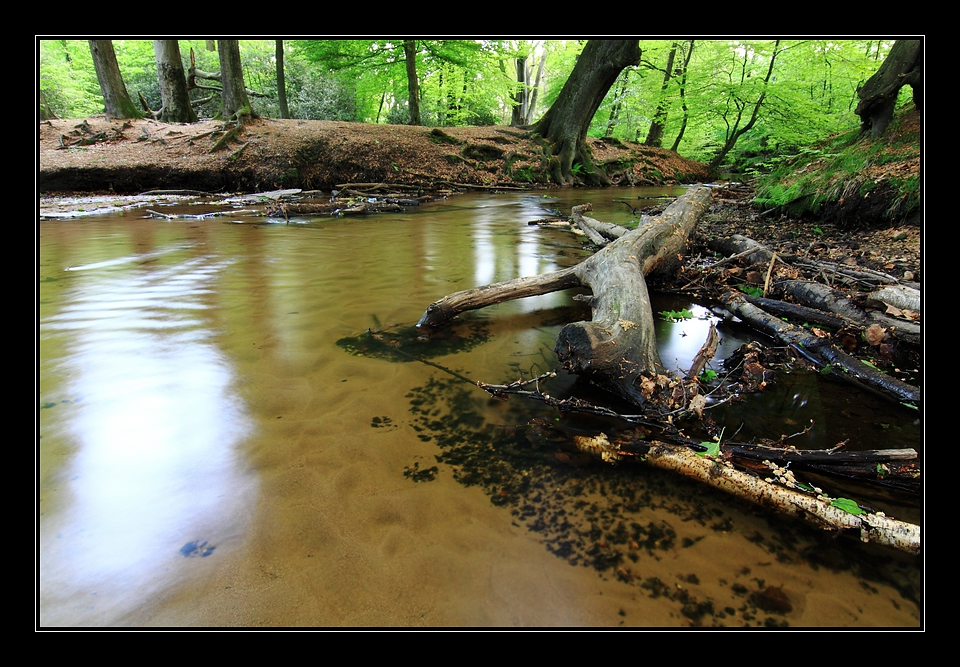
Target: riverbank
[[112, 156]]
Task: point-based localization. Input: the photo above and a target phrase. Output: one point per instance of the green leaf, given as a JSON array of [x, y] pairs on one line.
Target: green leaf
[[708, 375], [713, 449], [674, 315], [752, 291], [847, 505]]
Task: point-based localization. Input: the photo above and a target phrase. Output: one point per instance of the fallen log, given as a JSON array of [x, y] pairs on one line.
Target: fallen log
[[816, 509], [619, 344], [599, 233], [822, 297], [820, 350]]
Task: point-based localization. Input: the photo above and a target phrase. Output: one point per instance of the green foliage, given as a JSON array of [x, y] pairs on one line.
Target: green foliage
[[708, 375], [812, 93], [676, 315], [458, 79], [67, 78], [847, 505], [713, 447], [752, 291], [807, 180]]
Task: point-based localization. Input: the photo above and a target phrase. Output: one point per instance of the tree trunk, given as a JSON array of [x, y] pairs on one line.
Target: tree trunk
[[565, 124], [532, 108], [116, 101], [655, 135], [683, 98], [46, 113], [413, 81], [735, 131], [878, 97], [619, 93], [235, 102], [281, 83], [518, 113], [619, 344], [174, 97]]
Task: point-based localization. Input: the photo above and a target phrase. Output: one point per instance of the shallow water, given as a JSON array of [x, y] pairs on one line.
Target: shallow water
[[217, 448]]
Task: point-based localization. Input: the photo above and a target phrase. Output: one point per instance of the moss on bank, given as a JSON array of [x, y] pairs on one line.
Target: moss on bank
[[852, 180]]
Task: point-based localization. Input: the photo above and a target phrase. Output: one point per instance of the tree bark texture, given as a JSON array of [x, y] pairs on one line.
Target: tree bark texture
[[281, 83], [818, 511], [878, 96], [565, 124], [174, 97], [116, 101], [235, 102], [413, 81], [683, 97], [518, 114], [821, 350], [619, 343]]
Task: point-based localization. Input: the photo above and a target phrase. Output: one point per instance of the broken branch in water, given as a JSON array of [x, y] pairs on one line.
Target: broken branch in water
[[778, 492]]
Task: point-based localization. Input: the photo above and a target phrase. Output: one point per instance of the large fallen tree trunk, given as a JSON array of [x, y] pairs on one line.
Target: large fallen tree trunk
[[619, 344]]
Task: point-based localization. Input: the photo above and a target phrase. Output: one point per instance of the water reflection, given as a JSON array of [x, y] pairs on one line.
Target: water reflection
[[152, 422], [194, 397]]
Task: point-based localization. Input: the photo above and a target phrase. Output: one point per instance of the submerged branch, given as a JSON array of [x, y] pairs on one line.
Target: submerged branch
[[817, 510]]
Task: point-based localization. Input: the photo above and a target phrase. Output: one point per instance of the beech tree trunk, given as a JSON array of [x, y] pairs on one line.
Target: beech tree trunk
[[413, 81], [173, 83], [235, 102], [281, 83], [683, 97], [565, 124], [655, 135], [619, 344], [878, 96], [116, 101]]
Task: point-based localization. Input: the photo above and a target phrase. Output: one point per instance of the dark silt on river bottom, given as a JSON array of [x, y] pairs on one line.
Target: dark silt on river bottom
[[220, 446]]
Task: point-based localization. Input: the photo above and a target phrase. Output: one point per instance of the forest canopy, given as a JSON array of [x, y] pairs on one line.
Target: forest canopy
[[693, 96]]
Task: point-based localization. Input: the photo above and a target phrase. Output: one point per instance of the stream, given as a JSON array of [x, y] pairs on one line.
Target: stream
[[218, 446]]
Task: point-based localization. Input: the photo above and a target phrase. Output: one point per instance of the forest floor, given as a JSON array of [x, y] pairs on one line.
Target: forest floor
[[132, 156]]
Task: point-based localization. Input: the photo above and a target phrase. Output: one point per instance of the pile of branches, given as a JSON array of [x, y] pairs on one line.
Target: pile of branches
[[358, 199], [603, 350], [827, 313]]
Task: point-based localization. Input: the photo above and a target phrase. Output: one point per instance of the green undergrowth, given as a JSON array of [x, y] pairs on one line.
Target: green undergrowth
[[850, 178]]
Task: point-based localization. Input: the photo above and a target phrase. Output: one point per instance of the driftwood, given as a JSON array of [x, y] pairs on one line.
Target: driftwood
[[618, 348], [599, 233], [779, 491], [756, 253], [619, 344], [820, 350], [822, 297], [898, 296]]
